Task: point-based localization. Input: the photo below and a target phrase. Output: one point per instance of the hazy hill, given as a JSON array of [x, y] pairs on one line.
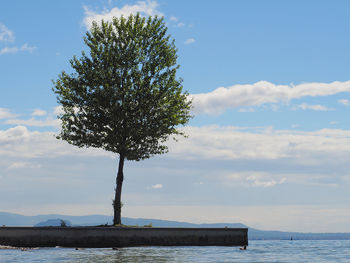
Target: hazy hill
[[54, 222], [10, 219]]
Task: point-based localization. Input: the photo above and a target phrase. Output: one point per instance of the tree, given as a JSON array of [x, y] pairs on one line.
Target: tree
[[124, 96]]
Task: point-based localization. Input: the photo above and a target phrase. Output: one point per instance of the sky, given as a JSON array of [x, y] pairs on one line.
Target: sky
[[269, 145]]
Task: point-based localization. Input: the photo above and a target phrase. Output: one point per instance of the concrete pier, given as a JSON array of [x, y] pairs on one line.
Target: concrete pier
[[98, 237]]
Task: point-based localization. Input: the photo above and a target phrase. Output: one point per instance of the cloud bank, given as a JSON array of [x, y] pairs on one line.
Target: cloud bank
[[221, 99], [322, 147], [234, 143], [19, 142]]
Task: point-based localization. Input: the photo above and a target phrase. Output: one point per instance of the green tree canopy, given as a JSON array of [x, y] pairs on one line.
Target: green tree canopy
[[124, 95]]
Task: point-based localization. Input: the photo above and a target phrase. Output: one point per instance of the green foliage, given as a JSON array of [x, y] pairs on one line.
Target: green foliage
[[124, 96]]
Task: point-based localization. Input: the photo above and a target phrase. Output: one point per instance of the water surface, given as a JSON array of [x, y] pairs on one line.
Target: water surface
[[258, 251]]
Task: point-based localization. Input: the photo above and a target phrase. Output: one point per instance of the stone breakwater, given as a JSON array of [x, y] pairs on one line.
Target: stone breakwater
[[121, 236]]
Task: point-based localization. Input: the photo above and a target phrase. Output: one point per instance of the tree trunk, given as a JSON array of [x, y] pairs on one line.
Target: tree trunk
[[118, 192]]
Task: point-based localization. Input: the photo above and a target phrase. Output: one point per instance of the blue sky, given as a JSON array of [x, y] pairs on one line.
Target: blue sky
[[269, 145]]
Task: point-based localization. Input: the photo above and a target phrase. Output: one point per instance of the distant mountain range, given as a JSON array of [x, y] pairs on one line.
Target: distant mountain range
[[10, 219]]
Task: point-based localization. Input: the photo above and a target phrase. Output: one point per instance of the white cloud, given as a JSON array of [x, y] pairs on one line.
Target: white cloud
[[345, 102], [176, 22], [173, 18], [49, 122], [6, 34], [13, 50], [305, 106], [19, 142], [234, 143], [246, 110], [13, 135], [190, 41], [26, 165], [323, 147], [157, 186], [180, 24], [5, 113], [39, 112], [58, 110], [255, 179], [147, 8], [221, 99], [34, 121], [264, 183]]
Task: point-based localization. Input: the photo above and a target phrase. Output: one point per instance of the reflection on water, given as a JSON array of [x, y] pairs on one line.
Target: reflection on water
[[258, 251], [145, 254]]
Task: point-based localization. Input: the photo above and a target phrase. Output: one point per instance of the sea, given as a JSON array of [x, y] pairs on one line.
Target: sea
[[315, 251]]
